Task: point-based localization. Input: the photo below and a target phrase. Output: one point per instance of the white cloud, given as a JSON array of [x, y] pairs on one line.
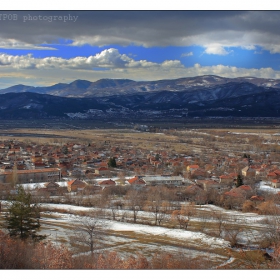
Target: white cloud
[[187, 54], [216, 49], [110, 58], [29, 70], [15, 44], [230, 71], [107, 58], [172, 64], [249, 47]]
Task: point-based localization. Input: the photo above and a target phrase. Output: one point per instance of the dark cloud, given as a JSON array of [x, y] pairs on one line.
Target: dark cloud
[[211, 29]]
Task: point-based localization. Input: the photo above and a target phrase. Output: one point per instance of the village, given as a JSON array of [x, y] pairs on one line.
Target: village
[[217, 184], [49, 170]]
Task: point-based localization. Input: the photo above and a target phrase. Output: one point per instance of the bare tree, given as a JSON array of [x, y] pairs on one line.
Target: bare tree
[[154, 203], [154, 207], [88, 231], [113, 206], [164, 210], [12, 178], [184, 215], [220, 219], [134, 200], [231, 230], [271, 235]]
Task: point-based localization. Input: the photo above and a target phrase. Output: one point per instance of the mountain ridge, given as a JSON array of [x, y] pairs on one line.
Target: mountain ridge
[[123, 99], [149, 107], [110, 87]]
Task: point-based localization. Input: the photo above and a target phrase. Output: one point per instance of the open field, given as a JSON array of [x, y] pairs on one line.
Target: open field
[[182, 138], [127, 238], [197, 141], [190, 123]]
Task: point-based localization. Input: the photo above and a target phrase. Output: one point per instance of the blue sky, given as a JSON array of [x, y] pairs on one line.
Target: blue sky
[[46, 47], [188, 55]]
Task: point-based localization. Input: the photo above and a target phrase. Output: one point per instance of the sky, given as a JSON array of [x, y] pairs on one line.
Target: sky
[[42, 48]]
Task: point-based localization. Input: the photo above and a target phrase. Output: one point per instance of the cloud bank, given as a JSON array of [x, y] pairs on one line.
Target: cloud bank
[[214, 30], [111, 63]]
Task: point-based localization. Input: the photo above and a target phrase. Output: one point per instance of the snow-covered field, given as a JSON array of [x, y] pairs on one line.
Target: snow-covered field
[[129, 239], [251, 224], [59, 221], [116, 226]]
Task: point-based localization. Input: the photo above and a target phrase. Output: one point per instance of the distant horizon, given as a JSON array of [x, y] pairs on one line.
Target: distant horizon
[[245, 77]]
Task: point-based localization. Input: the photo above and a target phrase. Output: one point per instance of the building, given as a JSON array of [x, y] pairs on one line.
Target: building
[[228, 178], [209, 184], [76, 185], [275, 174], [52, 188], [136, 182], [193, 167], [163, 180], [107, 183], [31, 176], [275, 183], [102, 171], [248, 171]]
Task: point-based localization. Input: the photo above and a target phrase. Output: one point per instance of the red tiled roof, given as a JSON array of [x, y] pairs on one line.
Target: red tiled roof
[[199, 171], [272, 174], [107, 182], [233, 193], [71, 182], [225, 177], [257, 198], [245, 188], [136, 180], [275, 181], [132, 180], [102, 168], [34, 171]]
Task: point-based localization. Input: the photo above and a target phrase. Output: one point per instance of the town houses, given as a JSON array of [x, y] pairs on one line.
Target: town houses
[[85, 167]]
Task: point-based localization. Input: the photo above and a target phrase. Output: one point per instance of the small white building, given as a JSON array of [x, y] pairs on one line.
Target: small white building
[[163, 180]]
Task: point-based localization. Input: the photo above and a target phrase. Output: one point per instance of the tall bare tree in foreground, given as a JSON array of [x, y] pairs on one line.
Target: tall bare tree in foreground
[[88, 231]]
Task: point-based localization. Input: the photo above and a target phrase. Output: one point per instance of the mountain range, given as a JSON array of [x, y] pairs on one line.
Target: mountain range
[[109, 87], [203, 96]]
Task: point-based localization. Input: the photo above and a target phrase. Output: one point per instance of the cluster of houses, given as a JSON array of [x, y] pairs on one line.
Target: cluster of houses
[[75, 167]]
